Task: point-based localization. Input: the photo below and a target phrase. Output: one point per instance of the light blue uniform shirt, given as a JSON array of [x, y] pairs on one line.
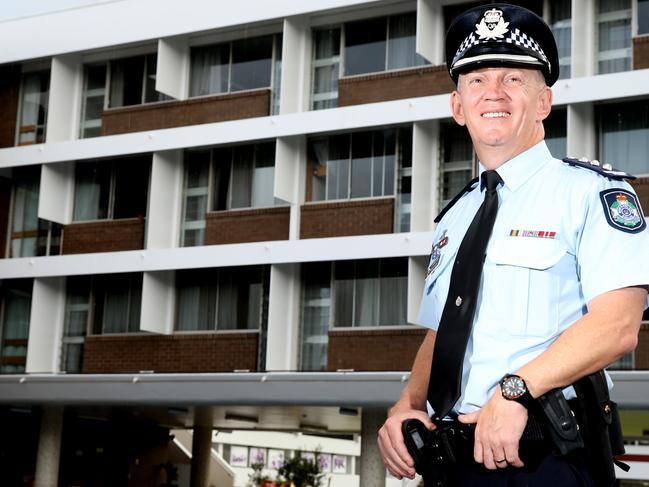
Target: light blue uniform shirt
[[552, 250]]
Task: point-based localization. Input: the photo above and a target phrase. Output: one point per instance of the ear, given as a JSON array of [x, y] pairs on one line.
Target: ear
[[456, 108], [544, 104]]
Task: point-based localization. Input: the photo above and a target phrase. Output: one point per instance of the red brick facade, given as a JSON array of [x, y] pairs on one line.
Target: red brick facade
[[641, 52], [394, 85], [641, 187], [374, 350], [9, 93], [194, 111], [642, 350], [182, 353], [344, 218], [5, 205], [103, 236], [253, 225]]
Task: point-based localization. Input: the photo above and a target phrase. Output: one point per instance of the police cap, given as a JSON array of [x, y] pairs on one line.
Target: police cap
[[500, 34]]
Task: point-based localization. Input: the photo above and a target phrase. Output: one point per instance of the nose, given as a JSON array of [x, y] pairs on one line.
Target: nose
[[494, 91]]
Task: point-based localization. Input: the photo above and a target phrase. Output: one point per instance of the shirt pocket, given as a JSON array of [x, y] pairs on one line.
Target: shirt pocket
[[523, 288]]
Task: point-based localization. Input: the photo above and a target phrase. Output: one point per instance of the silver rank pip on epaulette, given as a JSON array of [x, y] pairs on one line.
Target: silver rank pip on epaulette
[[605, 169]]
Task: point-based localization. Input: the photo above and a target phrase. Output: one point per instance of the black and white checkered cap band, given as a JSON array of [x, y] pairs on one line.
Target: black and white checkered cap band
[[515, 37]]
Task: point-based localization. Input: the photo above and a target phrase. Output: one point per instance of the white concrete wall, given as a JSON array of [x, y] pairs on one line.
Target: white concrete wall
[[46, 325]]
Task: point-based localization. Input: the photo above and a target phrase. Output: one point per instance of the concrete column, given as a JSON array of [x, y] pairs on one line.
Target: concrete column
[[201, 447], [583, 51], [416, 277], [46, 325], [172, 76], [296, 65], [425, 175], [372, 470], [430, 31], [49, 448], [165, 200], [282, 344], [56, 194], [581, 131], [290, 177], [64, 110], [158, 302]]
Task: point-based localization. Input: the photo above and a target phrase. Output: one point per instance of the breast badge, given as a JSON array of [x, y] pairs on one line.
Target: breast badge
[[622, 210], [436, 254]]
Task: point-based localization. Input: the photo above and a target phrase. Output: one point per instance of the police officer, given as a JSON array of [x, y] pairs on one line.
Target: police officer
[[565, 275]]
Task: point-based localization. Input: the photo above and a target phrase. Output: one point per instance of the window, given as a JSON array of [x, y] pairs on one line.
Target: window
[[15, 310], [244, 64], [560, 23], [361, 293], [127, 81], [111, 189], [242, 177], [624, 135], [643, 17], [98, 305], [94, 95], [370, 46], [33, 108], [556, 132], [457, 160], [614, 36], [221, 299], [132, 81], [24, 214], [359, 165]]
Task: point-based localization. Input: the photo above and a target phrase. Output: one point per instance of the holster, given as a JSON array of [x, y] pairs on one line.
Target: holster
[[601, 428]]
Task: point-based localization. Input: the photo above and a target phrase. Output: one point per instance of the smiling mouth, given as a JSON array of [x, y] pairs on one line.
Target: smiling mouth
[[496, 115]]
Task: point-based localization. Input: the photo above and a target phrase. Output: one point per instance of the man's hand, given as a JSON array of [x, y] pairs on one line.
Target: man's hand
[[499, 427], [390, 438]]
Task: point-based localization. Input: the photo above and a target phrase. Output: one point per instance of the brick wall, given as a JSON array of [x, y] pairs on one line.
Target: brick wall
[[5, 204], [642, 350], [195, 111], [374, 349], [9, 92], [641, 187], [253, 225], [204, 352], [103, 236], [344, 218], [394, 85], [641, 52]]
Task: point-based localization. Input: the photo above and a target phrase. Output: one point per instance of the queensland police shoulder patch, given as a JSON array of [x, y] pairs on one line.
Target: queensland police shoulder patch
[[622, 210]]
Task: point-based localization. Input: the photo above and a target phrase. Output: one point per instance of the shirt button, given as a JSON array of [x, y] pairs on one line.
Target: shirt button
[[458, 301]]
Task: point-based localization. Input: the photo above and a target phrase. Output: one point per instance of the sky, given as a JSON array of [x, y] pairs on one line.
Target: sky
[[21, 8]]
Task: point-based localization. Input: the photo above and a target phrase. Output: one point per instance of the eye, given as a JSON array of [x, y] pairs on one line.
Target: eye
[[513, 80]]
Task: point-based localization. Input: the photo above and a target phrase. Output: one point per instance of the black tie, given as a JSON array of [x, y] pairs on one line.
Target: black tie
[[457, 317]]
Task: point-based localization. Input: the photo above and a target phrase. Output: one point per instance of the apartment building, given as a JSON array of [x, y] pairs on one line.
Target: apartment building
[[210, 213]]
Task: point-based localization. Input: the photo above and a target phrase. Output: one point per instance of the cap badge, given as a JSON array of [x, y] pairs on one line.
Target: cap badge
[[492, 26]]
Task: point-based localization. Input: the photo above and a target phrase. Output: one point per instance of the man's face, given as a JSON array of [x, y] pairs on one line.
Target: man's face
[[503, 108]]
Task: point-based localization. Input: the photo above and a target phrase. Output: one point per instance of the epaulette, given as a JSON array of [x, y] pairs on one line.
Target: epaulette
[[605, 170], [467, 189]]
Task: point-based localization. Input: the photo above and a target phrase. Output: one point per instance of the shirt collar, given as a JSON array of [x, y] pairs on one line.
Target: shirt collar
[[516, 171]]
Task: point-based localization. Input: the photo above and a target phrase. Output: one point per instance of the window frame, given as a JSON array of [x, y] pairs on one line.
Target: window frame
[[33, 70], [613, 54]]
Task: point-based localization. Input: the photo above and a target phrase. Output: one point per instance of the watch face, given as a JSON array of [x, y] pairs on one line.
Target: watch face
[[513, 387]]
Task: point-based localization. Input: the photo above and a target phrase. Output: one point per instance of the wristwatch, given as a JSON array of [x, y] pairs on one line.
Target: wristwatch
[[513, 388]]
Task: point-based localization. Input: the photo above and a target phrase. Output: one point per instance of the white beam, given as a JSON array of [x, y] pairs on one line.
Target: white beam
[[64, 110], [283, 318], [46, 325], [158, 302], [584, 41], [108, 24], [172, 76], [165, 200], [275, 252], [581, 131]]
